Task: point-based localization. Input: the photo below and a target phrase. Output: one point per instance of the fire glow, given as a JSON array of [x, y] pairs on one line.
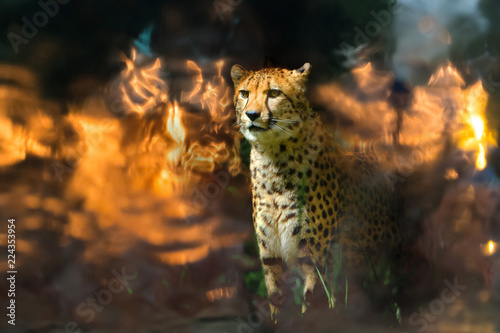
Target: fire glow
[[476, 135], [134, 147], [472, 134], [145, 83], [424, 120], [221, 293], [184, 157], [489, 248], [147, 148]]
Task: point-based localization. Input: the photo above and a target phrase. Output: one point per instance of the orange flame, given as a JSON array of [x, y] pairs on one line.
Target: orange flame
[[141, 87], [220, 293], [135, 173], [144, 91], [444, 108], [475, 134], [198, 81], [446, 76], [214, 95], [490, 248], [369, 79], [163, 148]]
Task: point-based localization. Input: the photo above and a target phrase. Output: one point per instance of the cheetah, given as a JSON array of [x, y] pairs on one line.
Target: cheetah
[[307, 192]]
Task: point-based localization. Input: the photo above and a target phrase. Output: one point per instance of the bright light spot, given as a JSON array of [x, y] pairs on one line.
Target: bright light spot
[[478, 126], [220, 293], [490, 248], [481, 159], [450, 174]]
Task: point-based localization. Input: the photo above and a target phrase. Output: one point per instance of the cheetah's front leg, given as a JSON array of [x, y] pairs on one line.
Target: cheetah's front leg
[[273, 274], [309, 272], [307, 268]]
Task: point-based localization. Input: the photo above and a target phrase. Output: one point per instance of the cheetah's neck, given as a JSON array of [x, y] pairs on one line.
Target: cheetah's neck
[[298, 153]]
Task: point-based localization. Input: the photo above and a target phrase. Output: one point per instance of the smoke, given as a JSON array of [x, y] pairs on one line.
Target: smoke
[[427, 31]]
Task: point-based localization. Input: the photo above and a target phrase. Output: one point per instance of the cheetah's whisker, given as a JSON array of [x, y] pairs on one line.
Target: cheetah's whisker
[[283, 129], [307, 162], [284, 120]]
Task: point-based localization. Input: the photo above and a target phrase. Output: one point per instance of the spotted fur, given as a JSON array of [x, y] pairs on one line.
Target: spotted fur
[[307, 192]]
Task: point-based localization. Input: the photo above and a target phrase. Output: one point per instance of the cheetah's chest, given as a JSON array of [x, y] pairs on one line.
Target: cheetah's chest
[[294, 204], [276, 216]]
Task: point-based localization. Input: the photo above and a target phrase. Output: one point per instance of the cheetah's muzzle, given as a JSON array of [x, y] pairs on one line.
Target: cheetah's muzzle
[[307, 192]]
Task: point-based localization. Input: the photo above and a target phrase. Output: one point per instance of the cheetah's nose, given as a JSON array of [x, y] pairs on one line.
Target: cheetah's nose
[[252, 115]]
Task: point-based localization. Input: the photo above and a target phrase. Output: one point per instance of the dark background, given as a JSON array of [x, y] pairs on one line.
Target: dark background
[[83, 38], [77, 49], [77, 54]]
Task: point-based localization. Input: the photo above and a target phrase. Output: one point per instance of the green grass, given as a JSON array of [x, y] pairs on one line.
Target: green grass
[[183, 274], [255, 282], [244, 259], [346, 292], [298, 292], [382, 275], [324, 284]]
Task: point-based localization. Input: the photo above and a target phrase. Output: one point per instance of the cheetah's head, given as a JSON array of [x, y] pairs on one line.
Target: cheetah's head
[[270, 103]]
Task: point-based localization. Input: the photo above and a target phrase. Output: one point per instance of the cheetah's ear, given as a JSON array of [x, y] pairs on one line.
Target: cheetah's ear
[[238, 73], [303, 71]]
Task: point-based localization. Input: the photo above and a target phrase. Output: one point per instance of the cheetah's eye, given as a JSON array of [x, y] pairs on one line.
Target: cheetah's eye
[[273, 93], [244, 93]]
